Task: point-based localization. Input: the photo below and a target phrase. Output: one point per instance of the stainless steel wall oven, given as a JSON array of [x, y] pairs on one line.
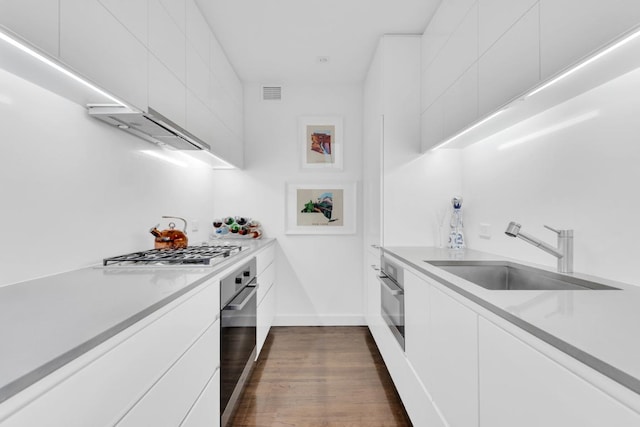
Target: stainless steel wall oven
[[238, 302], [392, 297]]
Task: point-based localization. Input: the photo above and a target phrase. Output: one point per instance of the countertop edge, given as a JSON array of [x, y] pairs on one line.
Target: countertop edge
[[599, 365]]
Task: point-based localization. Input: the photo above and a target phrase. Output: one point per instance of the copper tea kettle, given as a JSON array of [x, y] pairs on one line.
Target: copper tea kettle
[[170, 238]]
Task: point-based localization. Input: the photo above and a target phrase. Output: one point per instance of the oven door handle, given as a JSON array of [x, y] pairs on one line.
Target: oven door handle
[[237, 306], [392, 288]]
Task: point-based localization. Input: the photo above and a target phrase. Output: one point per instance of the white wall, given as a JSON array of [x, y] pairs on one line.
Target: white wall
[[74, 190], [319, 277]]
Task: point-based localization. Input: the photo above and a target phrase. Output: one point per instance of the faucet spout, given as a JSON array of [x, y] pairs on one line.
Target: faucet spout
[[564, 251]]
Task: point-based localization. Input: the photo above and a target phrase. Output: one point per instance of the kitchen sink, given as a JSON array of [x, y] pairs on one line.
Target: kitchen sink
[[508, 276]]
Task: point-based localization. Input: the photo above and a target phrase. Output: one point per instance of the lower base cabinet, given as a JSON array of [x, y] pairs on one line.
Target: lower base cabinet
[[206, 411], [519, 386], [266, 314]]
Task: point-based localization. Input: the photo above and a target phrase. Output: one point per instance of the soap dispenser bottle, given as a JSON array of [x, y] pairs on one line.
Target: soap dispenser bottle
[[456, 235]]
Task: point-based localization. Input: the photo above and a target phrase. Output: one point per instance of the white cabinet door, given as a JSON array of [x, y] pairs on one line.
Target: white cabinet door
[[266, 314], [169, 400], [460, 103], [521, 387], [96, 44], [206, 411], [34, 20], [432, 125], [167, 40], [104, 387], [167, 94], [452, 359], [132, 15], [453, 60], [511, 65], [416, 318], [571, 29], [372, 286], [495, 17]]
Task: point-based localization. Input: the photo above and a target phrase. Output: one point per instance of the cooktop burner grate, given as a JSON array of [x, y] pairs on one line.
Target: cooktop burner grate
[[191, 255]]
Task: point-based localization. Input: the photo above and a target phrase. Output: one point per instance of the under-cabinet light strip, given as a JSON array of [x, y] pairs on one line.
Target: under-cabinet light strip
[[30, 51], [458, 135], [581, 65]]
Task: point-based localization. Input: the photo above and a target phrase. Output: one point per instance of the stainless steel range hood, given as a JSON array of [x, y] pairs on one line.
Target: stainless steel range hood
[[151, 126]]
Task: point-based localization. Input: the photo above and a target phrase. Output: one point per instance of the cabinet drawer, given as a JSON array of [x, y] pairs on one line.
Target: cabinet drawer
[[265, 281], [102, 391], [168, 402], [266, 314], [206, 411], [264, 258]]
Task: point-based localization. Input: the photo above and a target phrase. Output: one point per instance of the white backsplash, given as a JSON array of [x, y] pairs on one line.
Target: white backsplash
[[574, 166], [75, 191]]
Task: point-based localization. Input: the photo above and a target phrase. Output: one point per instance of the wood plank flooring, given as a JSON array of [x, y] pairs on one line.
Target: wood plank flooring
[[320, 376]]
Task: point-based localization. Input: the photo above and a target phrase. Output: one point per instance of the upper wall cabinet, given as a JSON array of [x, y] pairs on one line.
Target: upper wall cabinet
[[96, 44], [158, 54], [519, 43], [511, 65], [35, 20]]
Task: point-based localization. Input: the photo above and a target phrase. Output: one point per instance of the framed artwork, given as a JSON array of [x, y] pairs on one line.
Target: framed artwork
[[320, 142], [320, 208]]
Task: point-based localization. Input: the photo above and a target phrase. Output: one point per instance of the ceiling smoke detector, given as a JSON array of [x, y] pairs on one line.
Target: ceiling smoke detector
[[271, 93]]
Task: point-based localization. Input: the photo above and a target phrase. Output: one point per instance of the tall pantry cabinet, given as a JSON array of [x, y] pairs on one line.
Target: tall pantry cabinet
[[391, 139]]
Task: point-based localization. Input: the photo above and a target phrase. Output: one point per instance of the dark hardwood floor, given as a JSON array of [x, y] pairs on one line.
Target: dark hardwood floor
[[320, 376]]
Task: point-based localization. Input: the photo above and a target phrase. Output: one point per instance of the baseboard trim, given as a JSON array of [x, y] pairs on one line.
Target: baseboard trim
[[319, 320]]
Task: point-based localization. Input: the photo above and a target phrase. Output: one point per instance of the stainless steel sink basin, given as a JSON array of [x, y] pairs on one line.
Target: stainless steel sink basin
[[507, 276]]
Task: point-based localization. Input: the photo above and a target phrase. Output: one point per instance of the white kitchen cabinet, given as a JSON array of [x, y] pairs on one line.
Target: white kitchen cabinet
[[98, 46], [495, 17], [266, 295], [417, 316], [167, 94], [198, 80], [519, 386], [451, 366], [206, 411], [416, 399], [167, 41], [391, 127], [456, 56], [198, 118], [101, 386], [266, 315], [460, 103], [34, 20], [432, 125], [444, 23], [571, 29], [169, 400], [372, 286], [198, 32], [132, 15], [177, 10], [511, 65]]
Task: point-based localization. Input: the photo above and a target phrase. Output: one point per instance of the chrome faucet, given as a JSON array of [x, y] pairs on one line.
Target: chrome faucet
[[564, 251]]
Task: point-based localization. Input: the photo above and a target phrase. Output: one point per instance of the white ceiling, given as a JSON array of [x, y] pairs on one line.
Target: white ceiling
[[279, 41]]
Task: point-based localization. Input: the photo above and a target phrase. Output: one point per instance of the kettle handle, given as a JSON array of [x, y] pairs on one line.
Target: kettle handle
[[181, 219]]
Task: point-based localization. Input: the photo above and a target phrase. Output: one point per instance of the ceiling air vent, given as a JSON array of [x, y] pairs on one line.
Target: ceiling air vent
[[271, 93]]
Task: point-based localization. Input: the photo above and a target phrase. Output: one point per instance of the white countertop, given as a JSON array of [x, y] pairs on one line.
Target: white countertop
[[598, 327], [48, 322]]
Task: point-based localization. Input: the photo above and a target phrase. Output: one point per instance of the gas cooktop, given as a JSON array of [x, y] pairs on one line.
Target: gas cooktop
[[189, 256]]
